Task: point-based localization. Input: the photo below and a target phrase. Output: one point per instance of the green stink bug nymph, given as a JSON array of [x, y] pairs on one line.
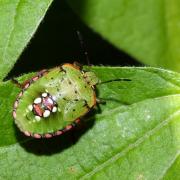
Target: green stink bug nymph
[[54, 101]]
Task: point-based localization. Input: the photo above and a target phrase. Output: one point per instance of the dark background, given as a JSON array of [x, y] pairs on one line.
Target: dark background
[[56, 42]]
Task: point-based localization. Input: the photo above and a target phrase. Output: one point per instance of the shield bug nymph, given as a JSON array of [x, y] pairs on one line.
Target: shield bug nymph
[[54, 100]]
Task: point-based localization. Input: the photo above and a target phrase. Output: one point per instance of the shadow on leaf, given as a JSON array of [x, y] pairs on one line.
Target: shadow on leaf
[[55, 144]]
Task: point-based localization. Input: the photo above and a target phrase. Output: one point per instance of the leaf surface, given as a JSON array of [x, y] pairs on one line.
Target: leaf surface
[[18, 21], [148, 31], [135, 135]]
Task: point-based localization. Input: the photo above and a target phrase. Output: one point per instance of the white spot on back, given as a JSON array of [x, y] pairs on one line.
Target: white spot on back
[[54, 109], [37, 100], [37, 118], [44, 94], [46, 113]]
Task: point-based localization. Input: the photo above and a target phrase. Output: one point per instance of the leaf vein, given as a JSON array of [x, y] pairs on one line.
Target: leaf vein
[[169, 166], [131, 146]]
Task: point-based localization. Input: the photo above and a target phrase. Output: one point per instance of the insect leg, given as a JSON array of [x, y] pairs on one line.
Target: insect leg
[[100, 101], [17, 83]]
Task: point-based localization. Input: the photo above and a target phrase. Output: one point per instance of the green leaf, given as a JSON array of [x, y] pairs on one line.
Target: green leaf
[[18, 21], [173, 172], [148, 30], [135, 135]]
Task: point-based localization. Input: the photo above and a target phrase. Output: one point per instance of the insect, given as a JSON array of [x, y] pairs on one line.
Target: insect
[[53, 101]]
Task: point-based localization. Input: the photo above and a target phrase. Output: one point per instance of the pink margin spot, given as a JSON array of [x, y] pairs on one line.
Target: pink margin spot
[[77, 120], [48, 135], [20, 94], [14, 114], [59, 133], [43, 72], [35, 78], [38, 136], [26, 85], [15, 104], [68, 127], [27, 133]]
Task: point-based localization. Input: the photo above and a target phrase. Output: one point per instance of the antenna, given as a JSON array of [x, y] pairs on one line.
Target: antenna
[[83, 46]]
